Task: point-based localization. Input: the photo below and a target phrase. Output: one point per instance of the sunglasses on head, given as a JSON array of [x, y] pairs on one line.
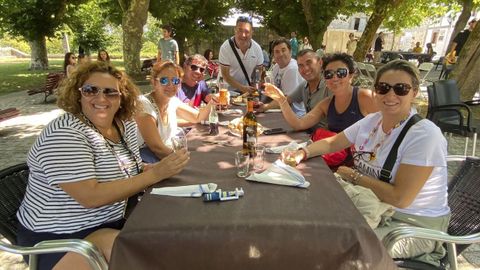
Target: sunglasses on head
[[93, 91], [329, 73], [165, 81], [400, 89], [244, 19], [195, 68]]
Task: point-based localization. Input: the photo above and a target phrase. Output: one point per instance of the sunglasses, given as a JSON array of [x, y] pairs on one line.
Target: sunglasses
[[165, 81], [341, 73], [195, 68], [400, 89], [244, 19], [89, 91], [363, 155]]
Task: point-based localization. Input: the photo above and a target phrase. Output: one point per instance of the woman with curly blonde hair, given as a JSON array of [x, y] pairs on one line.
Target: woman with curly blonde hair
[[85, 164]]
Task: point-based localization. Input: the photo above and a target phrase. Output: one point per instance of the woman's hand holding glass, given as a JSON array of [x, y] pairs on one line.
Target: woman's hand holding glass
[[169, 165], [292, 156]]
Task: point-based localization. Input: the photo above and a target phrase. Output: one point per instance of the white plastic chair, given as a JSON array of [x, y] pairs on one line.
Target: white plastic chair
[[372, 71]]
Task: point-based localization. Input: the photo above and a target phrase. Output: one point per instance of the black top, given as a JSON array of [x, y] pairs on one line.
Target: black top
[[378, 44], [460, 39]]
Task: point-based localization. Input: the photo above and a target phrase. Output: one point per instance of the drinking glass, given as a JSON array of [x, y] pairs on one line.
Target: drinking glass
[[242, 163], [223, 95], [179, 139], [288, 155], [258, 158]]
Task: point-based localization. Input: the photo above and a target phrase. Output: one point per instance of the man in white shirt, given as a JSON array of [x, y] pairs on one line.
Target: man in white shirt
[[248, 50], [285, 75]]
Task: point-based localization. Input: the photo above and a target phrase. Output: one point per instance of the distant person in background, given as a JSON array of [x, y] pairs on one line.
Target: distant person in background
[[351, 44], [306, 44], [321, 52], [377, 50], [168, 47], [294, 44], [266, 59], [103, 56], [369, 55], [461, 38], [69, 63], [194, 89], [430, 50], [212, 66], [417, 48]]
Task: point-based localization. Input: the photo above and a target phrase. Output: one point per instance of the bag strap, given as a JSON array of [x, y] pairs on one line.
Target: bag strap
[[230, 40], [385, 173]]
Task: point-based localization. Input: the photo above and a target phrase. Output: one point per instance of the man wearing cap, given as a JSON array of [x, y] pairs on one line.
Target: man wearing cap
[[249, 52]]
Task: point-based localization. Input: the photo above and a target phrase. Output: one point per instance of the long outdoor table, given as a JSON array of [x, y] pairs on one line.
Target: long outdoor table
[[270, 227]]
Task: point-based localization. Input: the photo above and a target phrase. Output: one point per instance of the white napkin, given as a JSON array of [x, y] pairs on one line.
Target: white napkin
[[279, 149], [280, 173], [273, 110], [186, 191], [220, 123], [231, 112]]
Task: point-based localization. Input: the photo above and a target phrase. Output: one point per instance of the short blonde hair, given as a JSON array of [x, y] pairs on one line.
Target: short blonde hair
[[69, 95]]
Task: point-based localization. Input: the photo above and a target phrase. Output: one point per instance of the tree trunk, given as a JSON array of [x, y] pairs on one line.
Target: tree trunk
[[134, 18], [316, 29], [467, 6], [38, 57], [467, 67], [381, 10]]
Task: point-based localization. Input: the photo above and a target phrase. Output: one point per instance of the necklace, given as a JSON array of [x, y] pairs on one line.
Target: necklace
[[372, 134], [121, 163]]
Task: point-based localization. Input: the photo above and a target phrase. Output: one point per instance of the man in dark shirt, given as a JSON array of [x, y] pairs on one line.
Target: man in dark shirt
[[462, 37], [377, 52]]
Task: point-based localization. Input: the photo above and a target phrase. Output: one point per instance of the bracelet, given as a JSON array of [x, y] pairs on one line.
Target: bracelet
[[356, 177], [306, 153]]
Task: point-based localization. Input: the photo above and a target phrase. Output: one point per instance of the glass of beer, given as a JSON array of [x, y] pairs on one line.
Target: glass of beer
[[223, 96], [288, 156]]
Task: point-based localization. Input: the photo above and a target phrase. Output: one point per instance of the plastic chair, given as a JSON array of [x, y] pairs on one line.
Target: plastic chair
[[363, 70], [425, 68], [464, 227], [446, 110], [13, 183]]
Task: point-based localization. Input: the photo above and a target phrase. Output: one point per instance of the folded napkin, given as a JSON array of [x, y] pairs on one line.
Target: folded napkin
[[273, 110], [280, 173], [186, 191], [220, 123], [279, 149], [231, 112]]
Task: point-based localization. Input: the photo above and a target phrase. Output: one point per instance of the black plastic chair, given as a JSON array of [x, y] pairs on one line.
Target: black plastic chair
[[448, 112], [13, 183], [464, 226]]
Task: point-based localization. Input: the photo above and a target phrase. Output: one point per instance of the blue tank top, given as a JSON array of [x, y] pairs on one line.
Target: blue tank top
[[337, 122]]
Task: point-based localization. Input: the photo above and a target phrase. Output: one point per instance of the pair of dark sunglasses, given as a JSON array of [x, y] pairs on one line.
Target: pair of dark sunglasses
[[89, 91], [400, 89], [340, 72], [165, 81], [195, 68], [363, 155]]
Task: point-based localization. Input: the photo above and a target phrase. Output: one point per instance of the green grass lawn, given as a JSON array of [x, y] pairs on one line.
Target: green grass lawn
[[15, 76]]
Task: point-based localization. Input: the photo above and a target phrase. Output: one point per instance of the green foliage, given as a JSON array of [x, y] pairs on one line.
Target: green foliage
[[32, 19], [89, 26], [15, 42]]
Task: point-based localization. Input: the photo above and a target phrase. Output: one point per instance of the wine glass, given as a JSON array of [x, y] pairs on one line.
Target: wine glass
[[179, 139]]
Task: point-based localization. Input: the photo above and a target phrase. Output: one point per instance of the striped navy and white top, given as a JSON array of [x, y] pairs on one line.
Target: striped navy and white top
[[66, 151]]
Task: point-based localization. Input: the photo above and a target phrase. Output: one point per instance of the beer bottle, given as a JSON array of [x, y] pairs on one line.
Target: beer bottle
[[213, 121], [249, 129]]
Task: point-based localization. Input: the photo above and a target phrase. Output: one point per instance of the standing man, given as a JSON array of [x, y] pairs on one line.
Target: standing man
[[351, 44], [249, 52], [168, 47], [194, 89], [285, 75], [377, 52], [294, 44], [461, 38]]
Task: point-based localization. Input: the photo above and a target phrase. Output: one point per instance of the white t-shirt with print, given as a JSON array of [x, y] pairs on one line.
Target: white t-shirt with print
[[253, 57], [166, 131], [423, 145], [287, 79]]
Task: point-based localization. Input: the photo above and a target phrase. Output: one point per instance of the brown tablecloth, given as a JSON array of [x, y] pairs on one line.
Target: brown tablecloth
[[270, 227]]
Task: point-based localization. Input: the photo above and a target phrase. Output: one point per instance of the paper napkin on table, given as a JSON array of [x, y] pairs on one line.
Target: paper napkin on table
[[280, 173], [279, 149], [231, 112], [273, 110], [186, 191]]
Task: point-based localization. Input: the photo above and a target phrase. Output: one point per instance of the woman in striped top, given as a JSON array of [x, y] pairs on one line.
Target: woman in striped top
[[85, 164]]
